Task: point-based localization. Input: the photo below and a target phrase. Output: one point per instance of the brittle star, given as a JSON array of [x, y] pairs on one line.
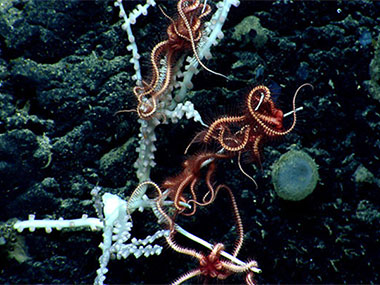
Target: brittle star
[[212, 266], [184, 34], [261, 120]]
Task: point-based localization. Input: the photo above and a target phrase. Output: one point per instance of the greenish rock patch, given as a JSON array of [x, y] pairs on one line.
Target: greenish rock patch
[[294, 175]]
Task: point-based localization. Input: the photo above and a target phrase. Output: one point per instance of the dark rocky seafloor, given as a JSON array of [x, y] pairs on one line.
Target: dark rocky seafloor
[[65, 71]]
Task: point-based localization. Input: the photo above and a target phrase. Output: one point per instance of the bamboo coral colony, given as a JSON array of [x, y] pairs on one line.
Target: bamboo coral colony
[[163, 100]]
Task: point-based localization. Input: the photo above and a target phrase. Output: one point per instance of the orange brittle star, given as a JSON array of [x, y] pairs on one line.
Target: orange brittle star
[[184, 34], [212, 266], [260, 121]]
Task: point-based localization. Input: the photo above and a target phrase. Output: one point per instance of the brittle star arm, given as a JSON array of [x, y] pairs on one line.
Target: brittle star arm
[[238, 147], [154, 57], [273, 132], [162, 216], [219, 123], [192, 40], [208, 245]]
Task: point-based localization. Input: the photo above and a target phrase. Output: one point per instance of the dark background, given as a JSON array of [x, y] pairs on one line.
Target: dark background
[[65, 71]]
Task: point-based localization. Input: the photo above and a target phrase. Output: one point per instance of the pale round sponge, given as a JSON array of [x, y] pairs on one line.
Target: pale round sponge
[[294, 175]]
